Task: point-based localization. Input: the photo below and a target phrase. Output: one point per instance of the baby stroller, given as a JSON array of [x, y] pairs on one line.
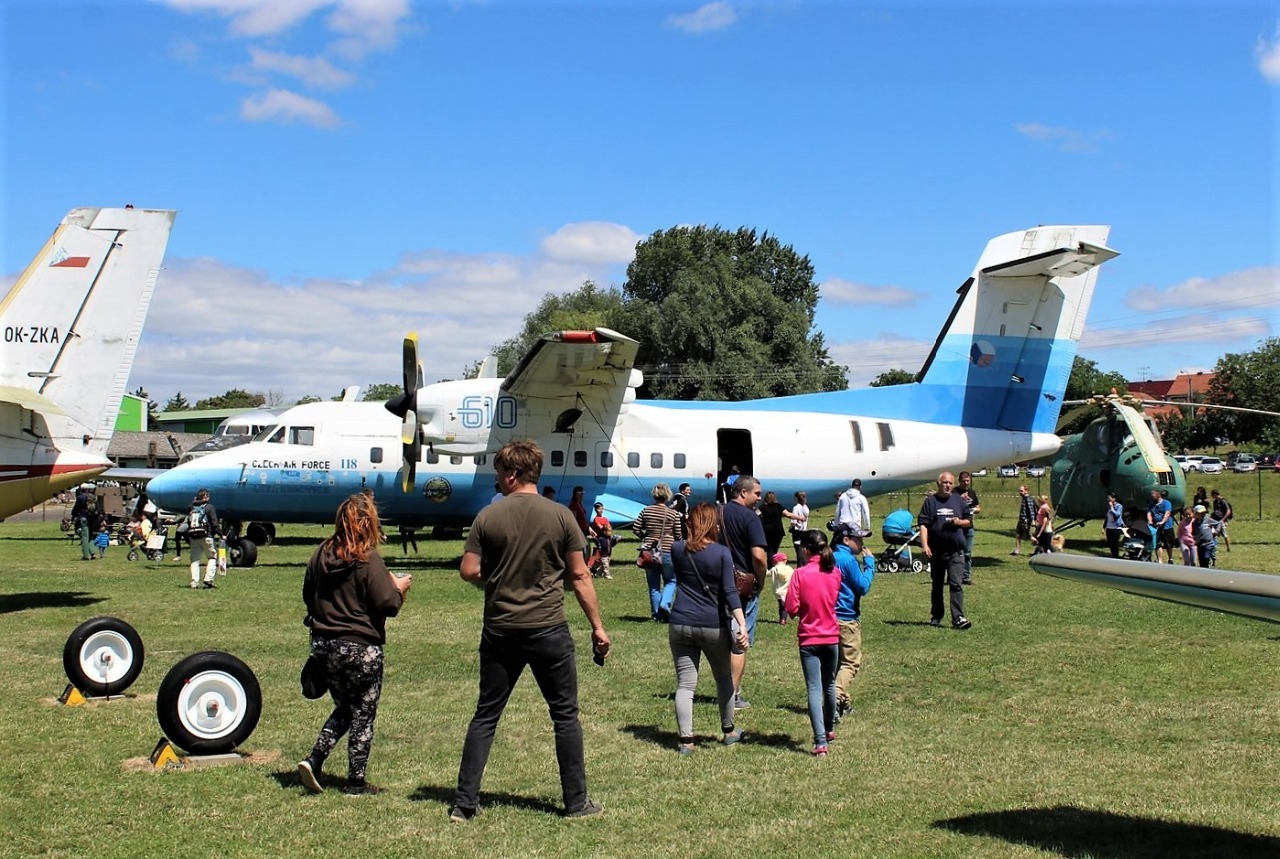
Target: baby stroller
[[1136, 546], [152, 547], [900, 534]]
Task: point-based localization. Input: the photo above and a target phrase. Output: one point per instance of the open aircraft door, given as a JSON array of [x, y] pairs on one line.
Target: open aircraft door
[[733, 447]]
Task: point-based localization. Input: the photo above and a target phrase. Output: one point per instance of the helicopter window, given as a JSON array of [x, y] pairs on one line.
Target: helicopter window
[[375, 454], [857, 436], [557, 459], [579, 459], [677, 460], [633, 460], [886, 435], [606, 459], [276, 437], [433, 458], [655, 460], [482, 458], [455, 460], [302, 435]]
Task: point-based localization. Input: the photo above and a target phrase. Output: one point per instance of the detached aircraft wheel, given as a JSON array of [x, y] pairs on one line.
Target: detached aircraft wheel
[[209, 703], [243, 553], [103, 656]]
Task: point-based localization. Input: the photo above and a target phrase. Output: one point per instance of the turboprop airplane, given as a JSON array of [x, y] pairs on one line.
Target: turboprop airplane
[[990, 391], [71, 325]]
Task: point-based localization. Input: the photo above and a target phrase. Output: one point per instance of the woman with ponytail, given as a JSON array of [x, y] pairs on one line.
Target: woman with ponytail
[[811, 597]]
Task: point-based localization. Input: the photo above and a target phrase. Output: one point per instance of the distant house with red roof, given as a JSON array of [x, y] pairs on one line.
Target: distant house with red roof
[[1185, 387]]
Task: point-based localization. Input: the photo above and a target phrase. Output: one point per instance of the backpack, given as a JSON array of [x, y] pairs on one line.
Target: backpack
[[197, 523]]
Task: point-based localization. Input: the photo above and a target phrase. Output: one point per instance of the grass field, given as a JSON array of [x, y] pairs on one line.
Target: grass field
[[1070, 721]]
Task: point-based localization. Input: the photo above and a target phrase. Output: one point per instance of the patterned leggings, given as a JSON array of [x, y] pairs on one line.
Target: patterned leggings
[[355, 682]]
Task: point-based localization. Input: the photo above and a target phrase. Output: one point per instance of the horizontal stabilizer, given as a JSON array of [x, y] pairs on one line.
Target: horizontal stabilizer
[[29, 400], [1255, 595], [1061, 262]]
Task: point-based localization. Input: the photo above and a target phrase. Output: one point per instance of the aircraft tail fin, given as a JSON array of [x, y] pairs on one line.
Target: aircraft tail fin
[[72, 320], [1003, 358]]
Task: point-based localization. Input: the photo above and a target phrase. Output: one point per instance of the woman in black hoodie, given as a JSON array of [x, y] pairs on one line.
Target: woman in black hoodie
[[349, 595]]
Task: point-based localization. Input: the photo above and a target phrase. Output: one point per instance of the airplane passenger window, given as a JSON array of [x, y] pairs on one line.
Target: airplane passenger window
[[633, 460], [433, 458], [678, 460], [606, 459], [557, 459], [857, 436], [375, 454], [886, 436], [579, 459], [655, 460], [302, 435]]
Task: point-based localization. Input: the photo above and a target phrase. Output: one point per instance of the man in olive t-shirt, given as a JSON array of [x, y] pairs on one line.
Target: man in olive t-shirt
[[521, 552]]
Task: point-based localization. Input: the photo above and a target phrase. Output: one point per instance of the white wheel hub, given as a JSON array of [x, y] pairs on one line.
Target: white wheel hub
[[212, 704], [106, 656]]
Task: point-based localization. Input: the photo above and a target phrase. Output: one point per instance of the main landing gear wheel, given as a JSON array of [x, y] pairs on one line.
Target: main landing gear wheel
[[209, 703], [103, 656], [261, 533], [242, 552]]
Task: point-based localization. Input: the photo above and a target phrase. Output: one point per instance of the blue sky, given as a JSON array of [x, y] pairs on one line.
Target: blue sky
[[348, 171]]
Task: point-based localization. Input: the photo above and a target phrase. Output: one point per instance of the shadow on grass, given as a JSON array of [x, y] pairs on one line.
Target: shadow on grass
[[51, 599], [923, 623], [1083, 832], [445, 795], [669, 739]]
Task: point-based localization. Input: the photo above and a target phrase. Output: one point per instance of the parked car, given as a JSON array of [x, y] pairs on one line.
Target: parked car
[[1211, 465], [1268, 460], [1193, 461], [1035, 471], [1182, 463], [1009, 470], [1244, 464]]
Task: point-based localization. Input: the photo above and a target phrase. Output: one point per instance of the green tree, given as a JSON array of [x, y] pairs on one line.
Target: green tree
[[893, 377], [177, 403], [1086, 381], [1249, 380], [585, 308], [381, 391], [153, 408], [309, 398], [724, 315], [233, 399]]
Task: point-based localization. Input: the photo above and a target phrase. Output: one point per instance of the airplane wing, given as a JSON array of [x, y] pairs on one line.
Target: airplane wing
[[569, 374], [132, 475], [1255, 595]]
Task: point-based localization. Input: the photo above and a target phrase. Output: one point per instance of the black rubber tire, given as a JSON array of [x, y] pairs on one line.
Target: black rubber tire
[[103, 656], [133, 555], [242, 553], [209, 703], [261, 533]]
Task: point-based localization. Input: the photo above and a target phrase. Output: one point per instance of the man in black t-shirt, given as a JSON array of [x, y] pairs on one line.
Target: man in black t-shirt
[[943, 518]]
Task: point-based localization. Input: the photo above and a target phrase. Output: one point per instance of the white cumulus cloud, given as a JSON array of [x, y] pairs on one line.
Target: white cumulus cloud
[[1065, 139], [315, 72], [706, 19], [285, 107], [839, 291], [1269, 57], [592, 242]]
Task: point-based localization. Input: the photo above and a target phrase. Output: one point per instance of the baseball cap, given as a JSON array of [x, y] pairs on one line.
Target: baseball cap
[[1200, 508], [779, 558]]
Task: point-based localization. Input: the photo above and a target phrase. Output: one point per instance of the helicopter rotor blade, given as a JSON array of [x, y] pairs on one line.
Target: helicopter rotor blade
[[1152, 454]]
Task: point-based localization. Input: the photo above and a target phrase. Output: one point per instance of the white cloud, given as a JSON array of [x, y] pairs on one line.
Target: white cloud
[[313, 71], [254, 18], [708, 18], [867, 359], [839, 291], [1269, 57], [284, 107], [367, 25], [1065, 139], [1257, 288], [213, 327], [592, 242]]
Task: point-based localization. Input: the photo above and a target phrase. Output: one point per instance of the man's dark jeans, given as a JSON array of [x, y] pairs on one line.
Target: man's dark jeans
[[504, 653]]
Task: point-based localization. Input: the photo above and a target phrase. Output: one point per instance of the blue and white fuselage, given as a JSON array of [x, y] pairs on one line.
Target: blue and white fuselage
[[990, 392]]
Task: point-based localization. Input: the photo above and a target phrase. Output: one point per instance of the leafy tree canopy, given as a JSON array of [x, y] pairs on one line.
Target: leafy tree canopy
[[724, 315], [893, 377], [1086, 381], [309, 398], [1248, 380], [381, 392], [233, 399]]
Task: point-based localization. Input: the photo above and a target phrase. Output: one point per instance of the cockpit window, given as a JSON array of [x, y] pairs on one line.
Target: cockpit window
[[302, 435], [266, 434]]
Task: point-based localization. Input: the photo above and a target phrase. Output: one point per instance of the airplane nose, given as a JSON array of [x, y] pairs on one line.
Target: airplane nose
[[173, 489]]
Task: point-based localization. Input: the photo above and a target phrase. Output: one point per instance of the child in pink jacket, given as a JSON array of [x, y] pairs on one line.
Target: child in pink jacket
[[811, 597]]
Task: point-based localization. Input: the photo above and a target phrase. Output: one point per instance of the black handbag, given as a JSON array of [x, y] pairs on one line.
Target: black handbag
[[315, 678]]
